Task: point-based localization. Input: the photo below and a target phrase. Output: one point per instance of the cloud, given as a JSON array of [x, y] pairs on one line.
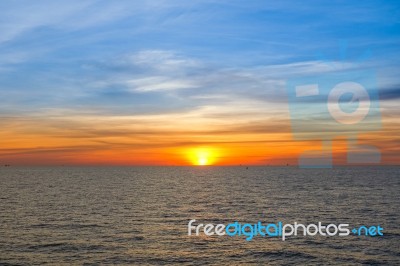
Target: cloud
[[21, 17], [158, 70], [159, 84], [161, 60], [389, 93]]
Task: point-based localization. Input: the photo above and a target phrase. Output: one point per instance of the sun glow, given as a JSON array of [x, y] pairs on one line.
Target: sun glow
[[202, 156], [202, 161]]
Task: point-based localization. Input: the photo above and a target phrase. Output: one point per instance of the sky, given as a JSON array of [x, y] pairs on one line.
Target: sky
[[190, 82]]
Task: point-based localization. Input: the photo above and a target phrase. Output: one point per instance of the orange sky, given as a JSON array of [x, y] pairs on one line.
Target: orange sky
[[188, 138]]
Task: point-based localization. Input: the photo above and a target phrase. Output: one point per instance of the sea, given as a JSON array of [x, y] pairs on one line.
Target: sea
[[140, 215]]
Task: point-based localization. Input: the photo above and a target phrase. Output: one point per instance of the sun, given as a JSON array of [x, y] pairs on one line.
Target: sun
[[202, 156], [202, 161]]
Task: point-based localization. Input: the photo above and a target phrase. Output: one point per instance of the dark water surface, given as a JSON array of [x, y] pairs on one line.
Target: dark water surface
[[139, 215]]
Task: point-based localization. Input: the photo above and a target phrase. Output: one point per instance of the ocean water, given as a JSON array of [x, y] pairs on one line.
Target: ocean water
[[139, 215]]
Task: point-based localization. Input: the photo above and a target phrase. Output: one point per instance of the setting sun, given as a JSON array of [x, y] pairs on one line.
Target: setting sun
[[202, 156], [202, 161]]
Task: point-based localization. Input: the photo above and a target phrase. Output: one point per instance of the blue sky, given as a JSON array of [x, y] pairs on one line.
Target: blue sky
[[217, 61], [77, 52]]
